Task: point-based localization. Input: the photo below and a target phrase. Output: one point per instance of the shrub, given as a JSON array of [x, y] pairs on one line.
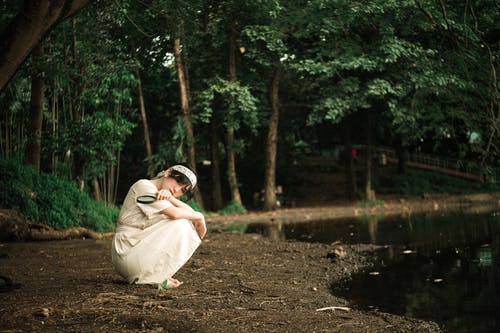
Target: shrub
[[370, 203], [52, 200], [233, 208]]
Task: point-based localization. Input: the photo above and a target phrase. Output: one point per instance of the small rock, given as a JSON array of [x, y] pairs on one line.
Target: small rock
[[43, 312]]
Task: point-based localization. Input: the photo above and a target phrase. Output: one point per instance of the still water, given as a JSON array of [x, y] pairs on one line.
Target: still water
[[440, 267]]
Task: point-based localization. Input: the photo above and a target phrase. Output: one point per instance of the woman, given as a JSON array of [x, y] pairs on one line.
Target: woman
[[154, 240]]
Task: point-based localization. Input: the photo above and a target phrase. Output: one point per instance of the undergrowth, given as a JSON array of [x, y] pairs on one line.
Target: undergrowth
[[233, 208], [51, 200]]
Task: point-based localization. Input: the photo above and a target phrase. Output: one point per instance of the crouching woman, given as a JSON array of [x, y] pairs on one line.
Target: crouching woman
[[157, 233]]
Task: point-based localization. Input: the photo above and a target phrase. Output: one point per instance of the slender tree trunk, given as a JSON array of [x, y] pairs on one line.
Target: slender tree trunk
[[116, 177], [216, 186], [34, 20], [231, 167], [96, 188], [79, 161], [217, 200], [142, 109], [272, 146], [231, 156], [186, 111], [33, 150], [369, 192], [53, 120]]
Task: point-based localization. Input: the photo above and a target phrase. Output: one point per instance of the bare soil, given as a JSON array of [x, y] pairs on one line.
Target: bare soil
[[233, 283]]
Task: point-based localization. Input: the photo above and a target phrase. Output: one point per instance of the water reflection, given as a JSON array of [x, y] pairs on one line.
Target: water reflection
[[440, 267]]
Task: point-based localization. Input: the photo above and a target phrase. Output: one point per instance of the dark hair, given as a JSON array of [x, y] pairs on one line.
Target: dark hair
[[182, 179]]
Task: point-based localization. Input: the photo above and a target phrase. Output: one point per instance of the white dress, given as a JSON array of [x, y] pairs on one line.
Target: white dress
[[148, 247]]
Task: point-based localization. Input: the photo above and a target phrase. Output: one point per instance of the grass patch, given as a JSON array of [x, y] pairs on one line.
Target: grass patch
[[233, 208], [50, 199], [369, 203]]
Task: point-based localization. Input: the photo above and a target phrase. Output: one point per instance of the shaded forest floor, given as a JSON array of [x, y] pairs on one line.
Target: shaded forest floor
[[233, 283]]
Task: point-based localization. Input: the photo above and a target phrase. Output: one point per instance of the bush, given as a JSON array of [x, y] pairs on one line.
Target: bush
[[370, 203], [233, 208], [50, 199]]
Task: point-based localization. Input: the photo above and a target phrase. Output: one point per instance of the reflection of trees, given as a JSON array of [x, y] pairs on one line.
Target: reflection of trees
[[458, 286], [452, 276], [495, 268], [274, 231], [424, 233], [428, 233], [372, 229]]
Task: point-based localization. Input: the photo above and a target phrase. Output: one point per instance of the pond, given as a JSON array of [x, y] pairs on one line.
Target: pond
[[444, 268]]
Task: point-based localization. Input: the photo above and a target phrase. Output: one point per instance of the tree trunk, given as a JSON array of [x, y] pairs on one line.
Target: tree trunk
[[54, 123], [33, 149], [369, 192], [27, 29], [79, 162], [142, 109], [231, 167], [96, 188], [216, 186], [231, 156], [401, 154], [272, 146], [186, 111]]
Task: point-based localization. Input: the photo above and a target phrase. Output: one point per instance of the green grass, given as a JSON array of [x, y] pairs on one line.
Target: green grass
[[233, 208], [50, 199], [370, 203]]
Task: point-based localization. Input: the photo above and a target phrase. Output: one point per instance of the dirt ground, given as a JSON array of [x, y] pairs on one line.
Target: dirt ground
[[233, 283]]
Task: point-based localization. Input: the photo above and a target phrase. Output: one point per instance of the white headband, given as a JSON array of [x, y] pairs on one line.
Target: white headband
[[187, 172]]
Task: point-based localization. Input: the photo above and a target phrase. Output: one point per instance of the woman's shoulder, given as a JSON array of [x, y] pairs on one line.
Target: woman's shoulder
[[144, 183]]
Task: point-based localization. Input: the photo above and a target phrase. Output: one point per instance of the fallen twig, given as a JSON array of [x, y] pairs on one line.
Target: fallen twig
[[343, 308]]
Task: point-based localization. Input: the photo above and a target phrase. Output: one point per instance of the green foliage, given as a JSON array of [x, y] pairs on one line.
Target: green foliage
[[113, 85], [173, 148], [237, 99], [193, 204], [370, 203], [236, 228], [423, 71], [96, 138], [233, 208], [51, 200]]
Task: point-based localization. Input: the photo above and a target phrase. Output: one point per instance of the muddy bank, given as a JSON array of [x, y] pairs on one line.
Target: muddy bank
[[234, 283]]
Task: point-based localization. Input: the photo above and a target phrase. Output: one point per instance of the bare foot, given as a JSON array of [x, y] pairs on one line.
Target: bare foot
[[169, 283]]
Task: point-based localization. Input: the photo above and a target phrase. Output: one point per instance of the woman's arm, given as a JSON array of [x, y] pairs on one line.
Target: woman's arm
[[188, 213], [166, 195], [181, 210], [178, 203]]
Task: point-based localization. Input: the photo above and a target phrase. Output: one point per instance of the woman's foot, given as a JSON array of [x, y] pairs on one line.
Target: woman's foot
[[169, 284]]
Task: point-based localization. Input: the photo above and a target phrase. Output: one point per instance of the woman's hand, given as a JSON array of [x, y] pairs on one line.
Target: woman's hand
[[163, 195], [200, 225]]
